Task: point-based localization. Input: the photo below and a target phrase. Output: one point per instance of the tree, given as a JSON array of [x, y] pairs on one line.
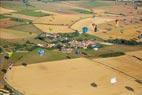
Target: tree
[[25, 2], [1, 50]]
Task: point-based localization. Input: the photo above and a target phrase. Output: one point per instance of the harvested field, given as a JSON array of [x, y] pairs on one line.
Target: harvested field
[[21, 16], [54, 28], [56, 22], [13, 34], [47, 12], [137, 54], [62, 7], [75, 22], [128, 32], [130, 63], [89, 21], [71, 77], [6, 11], [60, 19], [26, 28]]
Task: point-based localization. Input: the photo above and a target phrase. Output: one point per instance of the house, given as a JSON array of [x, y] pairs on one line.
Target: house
[[66, 50], [81, 44]]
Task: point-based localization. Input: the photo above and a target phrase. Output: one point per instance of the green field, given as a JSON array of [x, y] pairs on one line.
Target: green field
[[82, 11], [97, 3], [26, 28], [77, 36], [22, 9], [30, 12], [33, 57], [15, 5], [2, 16]]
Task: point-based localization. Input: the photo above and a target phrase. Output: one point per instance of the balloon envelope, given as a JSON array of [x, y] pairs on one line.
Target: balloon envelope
[[113, 80], [41, 52], [9, 54], [84, 29]]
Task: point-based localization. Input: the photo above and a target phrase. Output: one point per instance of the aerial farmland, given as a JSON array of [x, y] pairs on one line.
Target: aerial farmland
[[70, 47]]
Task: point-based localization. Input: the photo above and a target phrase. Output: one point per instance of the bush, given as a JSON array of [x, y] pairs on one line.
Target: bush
[[93, 84], [28, 42], [84, 53], [59, 45], [8, 88], [2, 16], [24, 64], [1, 50], [4, 70], [21, 20], [19, 46], [68, 57], [124, 42], [82, 11], [113, 54]]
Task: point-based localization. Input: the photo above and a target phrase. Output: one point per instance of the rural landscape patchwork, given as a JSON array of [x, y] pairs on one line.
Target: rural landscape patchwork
[[70, 47]]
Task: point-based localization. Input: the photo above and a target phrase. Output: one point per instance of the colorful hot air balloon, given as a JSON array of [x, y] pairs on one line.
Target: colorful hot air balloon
[[40, 51], [85, 29]]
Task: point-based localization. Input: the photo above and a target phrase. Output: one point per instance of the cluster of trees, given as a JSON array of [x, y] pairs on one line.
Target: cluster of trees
[[27, 46], [124, 42], [66, 37], [113, 54]]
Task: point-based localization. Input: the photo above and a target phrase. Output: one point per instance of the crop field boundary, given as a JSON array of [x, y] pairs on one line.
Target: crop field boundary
[[113, 68], [52, 24], [16, 92], [78, 21]]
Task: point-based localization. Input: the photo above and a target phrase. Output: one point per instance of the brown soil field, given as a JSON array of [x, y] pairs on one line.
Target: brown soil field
[[71, 77], [4, 23]]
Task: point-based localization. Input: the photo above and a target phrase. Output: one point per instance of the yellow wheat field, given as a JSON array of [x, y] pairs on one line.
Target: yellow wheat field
[[71, 77], [6, 11]]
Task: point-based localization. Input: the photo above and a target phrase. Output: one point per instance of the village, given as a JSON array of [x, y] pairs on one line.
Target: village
[[70, 47], [69, 42]]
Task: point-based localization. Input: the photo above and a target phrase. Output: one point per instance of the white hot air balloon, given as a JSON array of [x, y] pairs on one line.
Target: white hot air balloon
[[113, 80]]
